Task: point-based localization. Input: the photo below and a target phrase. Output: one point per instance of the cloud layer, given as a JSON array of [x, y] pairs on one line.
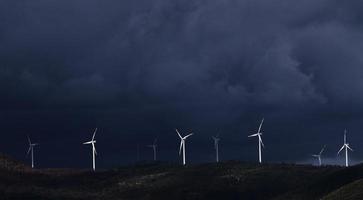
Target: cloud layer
[[198, 65]]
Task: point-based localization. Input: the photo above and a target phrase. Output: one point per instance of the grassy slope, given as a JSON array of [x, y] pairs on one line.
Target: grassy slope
[[327, 183], [230, 180], [227, 180], [350, 191]]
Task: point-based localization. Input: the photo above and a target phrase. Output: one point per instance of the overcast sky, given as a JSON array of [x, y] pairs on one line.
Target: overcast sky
[[139, 69]]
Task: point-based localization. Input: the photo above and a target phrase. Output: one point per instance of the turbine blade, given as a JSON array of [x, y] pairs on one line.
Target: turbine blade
[[188, 136], [94, 134], [94, 148], [345, 136], [340, 149], [322, 150], [253, 135], [349, 148], [29, 140], [89, 142], [29, 150], [260, 140], [178, 133], [259, 128]]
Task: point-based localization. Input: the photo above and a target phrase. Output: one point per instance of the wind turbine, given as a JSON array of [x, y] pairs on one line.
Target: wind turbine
[[260, 143], [319, 155], [94, 152], [346, 147], [182, 144], [153, 146], [31, 150], [216, 141]]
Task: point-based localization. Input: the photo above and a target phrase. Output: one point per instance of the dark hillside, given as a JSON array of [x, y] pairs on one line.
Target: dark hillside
[[10, 164], [350, 191], [226, 180]]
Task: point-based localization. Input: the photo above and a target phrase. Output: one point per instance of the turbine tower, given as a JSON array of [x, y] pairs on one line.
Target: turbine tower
[[346, 147], [216, 141], [318, 156], [31, 150], [153, 146], [260, 143], [94, 152], [182, 144]]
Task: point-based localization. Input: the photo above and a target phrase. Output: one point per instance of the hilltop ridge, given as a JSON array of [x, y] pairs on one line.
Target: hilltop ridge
[[225, 180]]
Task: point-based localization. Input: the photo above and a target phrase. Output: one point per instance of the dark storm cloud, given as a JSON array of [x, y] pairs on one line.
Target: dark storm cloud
[[201, 65]]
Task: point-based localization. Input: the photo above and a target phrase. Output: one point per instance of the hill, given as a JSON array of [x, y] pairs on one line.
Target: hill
[[11, 164], [226, 180]]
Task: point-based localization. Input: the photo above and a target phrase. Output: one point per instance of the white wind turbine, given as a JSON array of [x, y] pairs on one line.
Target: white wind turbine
[[260, 143], [31, 150], [346, 147], [153, 146], [182, 144], [318, 156], [216, 141], [94, 152]]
